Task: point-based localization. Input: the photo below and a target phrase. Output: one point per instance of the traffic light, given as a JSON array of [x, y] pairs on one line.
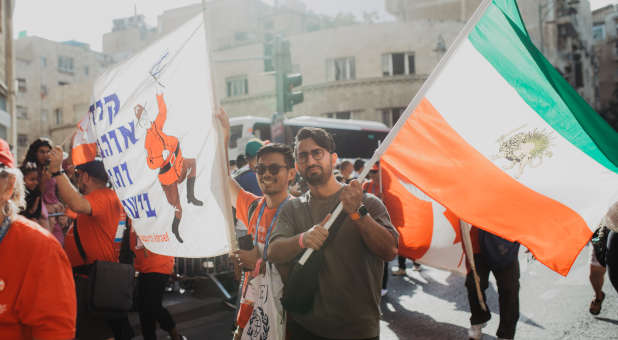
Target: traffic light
[[292, 97]]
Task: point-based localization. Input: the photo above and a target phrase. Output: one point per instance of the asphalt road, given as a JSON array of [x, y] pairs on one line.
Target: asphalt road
[[432, 304]]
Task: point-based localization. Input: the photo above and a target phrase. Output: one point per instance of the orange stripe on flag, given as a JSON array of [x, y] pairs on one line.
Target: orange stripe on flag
[[429, 153], [83, 153]]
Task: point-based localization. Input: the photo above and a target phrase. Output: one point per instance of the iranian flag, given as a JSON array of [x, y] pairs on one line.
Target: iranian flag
[[502, 141]]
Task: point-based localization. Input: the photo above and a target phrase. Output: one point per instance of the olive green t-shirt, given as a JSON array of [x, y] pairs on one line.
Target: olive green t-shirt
[[346, 305]]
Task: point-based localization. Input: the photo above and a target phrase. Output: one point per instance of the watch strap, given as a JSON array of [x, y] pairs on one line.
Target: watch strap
[[57, 173]]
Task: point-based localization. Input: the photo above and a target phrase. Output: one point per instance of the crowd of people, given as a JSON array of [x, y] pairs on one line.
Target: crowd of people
[[57, 220]]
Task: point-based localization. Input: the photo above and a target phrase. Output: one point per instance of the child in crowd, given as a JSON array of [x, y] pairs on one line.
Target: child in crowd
[[34, 209]]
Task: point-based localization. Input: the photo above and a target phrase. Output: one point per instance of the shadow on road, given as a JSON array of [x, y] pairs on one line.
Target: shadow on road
[[615, 322]]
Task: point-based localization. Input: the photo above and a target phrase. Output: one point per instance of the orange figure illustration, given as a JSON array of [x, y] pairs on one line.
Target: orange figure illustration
[[164, 154]]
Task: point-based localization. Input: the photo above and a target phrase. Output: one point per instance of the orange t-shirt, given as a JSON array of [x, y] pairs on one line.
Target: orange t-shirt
[[371, 187], [100, 232], [37, 293], [243, 202], [148, 262]]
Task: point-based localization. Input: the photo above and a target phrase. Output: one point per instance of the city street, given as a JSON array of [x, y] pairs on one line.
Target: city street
[[432, 304]]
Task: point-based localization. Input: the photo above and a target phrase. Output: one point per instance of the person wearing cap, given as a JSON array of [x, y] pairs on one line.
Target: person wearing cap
[[99, 217], [37, 293], [246, 175], [164, 154]]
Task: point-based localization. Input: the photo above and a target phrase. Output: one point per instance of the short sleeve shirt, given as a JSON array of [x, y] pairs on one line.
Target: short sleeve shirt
[[243, 202], [98, 230], [346, 305], [247, 180], [37, 293], [148, 262]]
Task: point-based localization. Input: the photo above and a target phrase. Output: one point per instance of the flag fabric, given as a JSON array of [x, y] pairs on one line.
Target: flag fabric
[[428, 232], [152, 123], [498, 137]]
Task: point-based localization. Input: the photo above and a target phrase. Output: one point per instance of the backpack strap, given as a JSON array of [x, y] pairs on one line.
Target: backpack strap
[[252, 207]]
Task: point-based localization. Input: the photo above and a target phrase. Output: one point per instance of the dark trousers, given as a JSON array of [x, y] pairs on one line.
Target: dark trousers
[[611, 257], [402, 262], [507, 281], [150, 287], [297, 332]]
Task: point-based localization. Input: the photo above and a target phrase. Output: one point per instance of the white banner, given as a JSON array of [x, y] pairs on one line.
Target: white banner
[[155, 130]]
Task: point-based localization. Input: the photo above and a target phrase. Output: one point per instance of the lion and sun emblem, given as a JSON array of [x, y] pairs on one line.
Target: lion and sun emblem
[[524, 149]]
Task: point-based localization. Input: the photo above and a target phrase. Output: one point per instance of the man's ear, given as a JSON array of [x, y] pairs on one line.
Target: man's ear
[[333, 159]]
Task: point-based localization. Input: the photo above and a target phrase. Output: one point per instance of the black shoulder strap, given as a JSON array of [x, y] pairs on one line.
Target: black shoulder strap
[[252, 208], [78, 242]]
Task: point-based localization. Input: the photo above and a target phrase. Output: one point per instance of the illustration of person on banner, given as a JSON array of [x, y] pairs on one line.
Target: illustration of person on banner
[[164, 153]]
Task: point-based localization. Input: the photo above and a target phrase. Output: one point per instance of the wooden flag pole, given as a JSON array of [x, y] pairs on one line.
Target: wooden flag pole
[[467, 242]]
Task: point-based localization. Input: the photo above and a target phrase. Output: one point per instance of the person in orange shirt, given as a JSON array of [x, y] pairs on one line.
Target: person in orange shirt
[[154, 272], [164, 154], [99, 218], [37, 294]]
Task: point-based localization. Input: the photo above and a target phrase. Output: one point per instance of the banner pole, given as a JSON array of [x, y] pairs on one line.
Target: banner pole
[[220, 160]]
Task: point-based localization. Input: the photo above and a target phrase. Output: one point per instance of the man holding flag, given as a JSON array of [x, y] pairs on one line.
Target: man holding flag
[[351, 274]]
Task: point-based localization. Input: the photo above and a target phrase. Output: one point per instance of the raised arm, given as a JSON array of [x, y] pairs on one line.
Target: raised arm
[[68, 194], [233, 186]]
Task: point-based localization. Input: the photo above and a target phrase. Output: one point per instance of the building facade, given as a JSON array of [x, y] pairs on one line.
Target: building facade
[[605, 36], [5, 62], [54, 85]]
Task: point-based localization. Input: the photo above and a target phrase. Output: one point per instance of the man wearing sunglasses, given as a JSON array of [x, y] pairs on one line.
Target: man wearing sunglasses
[[346, 302]]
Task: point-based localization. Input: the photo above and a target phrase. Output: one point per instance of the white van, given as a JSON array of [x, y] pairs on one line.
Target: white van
[[353, 138]]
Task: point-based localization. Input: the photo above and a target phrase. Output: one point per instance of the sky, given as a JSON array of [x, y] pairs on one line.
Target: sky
[[88, 20]]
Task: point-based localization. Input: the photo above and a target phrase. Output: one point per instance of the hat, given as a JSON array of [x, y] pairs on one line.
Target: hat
[[252, 147], [6, 157], [94, 169]]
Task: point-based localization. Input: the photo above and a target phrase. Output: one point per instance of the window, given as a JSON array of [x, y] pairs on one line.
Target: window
[[63, 83], [43, 62], [22, 112], [2, 102], [398, 63], [391, 115], [235, 133], [339, 115], [21, 84], [340, 69], [43, 91], [598, 32], [44, 115], [241, 36], [237, 86], [579, 76], [86, 70], [4, 132], [65, 64], [58, 115], [22, 140]]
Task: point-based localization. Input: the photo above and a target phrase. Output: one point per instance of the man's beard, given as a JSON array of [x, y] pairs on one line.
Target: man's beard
[[317, 178]]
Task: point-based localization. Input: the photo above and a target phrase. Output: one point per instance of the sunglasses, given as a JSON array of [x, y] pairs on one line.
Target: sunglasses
[[316, 154], [260, 169]]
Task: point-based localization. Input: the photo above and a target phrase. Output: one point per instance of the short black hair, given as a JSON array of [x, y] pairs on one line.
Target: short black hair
[[283, 149], [358, 164], [345, 164], [322, 138], [241, 160], [232, 162]]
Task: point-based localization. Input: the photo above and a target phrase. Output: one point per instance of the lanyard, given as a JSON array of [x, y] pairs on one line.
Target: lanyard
[[270, 228], [4, 228]]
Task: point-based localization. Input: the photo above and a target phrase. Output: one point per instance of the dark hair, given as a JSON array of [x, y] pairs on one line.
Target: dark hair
[[28, 167], [241, 161], [232, 162], [322, 138], [345, 164], [358, 164], [283, 149], [34, 147]]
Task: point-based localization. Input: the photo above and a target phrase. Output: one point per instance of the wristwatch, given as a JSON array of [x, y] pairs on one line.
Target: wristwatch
[[359, 213], [57, 173]]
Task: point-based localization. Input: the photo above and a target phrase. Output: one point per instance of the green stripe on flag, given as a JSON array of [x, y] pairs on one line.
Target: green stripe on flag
[[499, 37]]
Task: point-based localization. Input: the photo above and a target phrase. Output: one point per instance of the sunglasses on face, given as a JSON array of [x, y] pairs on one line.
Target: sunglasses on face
[[316, 154], [260, 169]]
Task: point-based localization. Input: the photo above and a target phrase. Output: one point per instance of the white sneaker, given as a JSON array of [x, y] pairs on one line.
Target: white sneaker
[[383, 292], [474, 332]]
